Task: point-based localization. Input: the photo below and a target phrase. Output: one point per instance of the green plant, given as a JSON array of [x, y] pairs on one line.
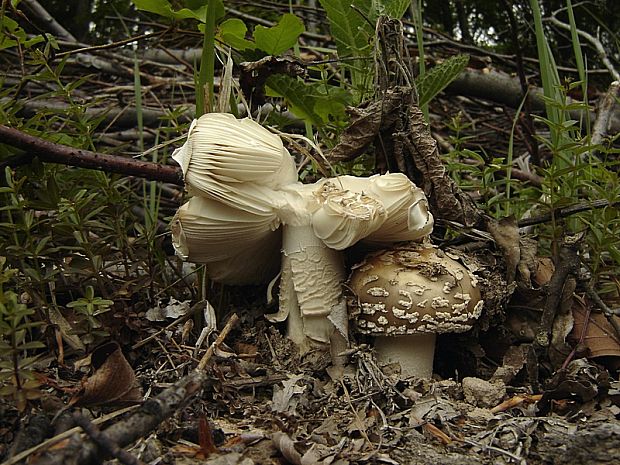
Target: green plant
[[90, 307], [573, 174], [486, 177], [17, 380], [416, 15]]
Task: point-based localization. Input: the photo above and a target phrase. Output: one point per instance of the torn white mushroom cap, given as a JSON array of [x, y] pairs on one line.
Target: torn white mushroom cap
[[239, 247], [222, 149], [344, 217], [380, 209], [408, 218]]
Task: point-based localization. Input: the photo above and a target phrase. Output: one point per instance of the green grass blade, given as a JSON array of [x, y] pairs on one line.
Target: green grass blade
[[548, 72], [204, 92], [510, 156], [581, 68]]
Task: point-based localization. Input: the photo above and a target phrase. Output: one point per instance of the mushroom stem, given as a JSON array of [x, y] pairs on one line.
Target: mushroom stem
[[414, 352], [311, 288]]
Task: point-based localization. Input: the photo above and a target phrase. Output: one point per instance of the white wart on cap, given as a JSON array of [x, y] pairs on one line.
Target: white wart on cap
[[406, 296]]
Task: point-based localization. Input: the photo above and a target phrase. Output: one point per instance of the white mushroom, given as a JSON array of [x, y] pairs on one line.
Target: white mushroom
[[405, 296], [246, 191], [208, 231]]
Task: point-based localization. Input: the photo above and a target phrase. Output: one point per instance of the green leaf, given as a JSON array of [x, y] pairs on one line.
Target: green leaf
[[313, 103], [31, 345], [436, 79], [351, 25], [197, 10], [297, 96], [232, 31], [279, 38], [394, 8]]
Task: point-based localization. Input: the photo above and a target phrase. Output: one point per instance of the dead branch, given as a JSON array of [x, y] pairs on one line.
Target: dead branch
[[602, 124], [566, 211], [447, 200], [52, 25], [567, 264], [501, 88], [598, 46], [117, 117], [103, 441], [57, 153]]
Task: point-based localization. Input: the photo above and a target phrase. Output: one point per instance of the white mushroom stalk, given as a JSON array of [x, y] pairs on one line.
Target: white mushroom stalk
[[248, 205]]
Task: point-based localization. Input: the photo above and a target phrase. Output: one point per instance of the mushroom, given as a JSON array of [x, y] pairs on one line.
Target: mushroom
[[406, 296], [248, 205], [233, 168]]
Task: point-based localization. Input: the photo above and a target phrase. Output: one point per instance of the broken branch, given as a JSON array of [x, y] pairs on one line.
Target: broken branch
[[57, 153]]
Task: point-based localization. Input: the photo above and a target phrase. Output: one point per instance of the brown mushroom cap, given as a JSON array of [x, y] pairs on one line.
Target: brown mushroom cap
[[414, 289]]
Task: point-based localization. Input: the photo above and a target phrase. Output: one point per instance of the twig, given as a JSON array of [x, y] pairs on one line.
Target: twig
[[103, 442], [598, 46], [148, 416], [567, 211], [35, 8], [58, 153], [609, 313], [484, 447], [515, 402], [178, 321], [605, 112], [91, 48], [64, 435], [211, 350]]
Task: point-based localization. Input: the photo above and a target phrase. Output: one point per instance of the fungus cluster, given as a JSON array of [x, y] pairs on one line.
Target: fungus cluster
[[248, 206], [250, 217]]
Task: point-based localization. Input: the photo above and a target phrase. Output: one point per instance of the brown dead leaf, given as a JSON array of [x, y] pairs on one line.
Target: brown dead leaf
[[506, 236], [254, 75], [285, 398], [544, 271], [581, 382], [246, 351], [599, 337], [205, 436], [366, 122], [113, 380], [286, 446]]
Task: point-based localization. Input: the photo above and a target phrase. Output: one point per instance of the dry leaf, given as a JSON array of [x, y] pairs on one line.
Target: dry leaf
[[286, 446], [173, 310], [113, 381], [506, 236], [283, 397], [600, 337]]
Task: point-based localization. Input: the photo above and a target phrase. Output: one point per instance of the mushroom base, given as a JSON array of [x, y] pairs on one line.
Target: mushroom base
[[414, 353]]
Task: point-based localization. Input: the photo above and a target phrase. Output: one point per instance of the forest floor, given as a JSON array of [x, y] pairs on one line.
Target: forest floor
[[263, 404]]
